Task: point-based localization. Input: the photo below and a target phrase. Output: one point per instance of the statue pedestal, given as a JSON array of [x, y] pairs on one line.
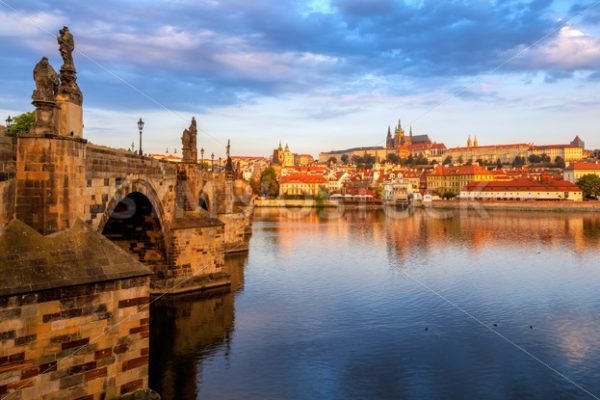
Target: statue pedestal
[[45, 118], [69, 118]]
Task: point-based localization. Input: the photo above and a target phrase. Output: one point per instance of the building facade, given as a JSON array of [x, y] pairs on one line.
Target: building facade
[[302, 185], [577, 170], [444, 180], [522, 189]]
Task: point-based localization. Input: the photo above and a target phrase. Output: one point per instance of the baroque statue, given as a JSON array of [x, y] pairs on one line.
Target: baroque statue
[[188, 140], [68, 88], [46, 81], [66, 46]]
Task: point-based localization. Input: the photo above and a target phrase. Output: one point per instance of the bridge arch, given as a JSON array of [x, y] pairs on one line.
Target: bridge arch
[[134, 220]]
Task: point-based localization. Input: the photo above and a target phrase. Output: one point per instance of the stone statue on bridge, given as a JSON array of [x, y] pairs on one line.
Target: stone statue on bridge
[[46, 81], [189, 142], [69, 90], [66, 46], [44, 98]]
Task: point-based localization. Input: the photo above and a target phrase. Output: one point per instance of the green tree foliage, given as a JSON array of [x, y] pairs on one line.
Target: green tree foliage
[[364, 162], [519, 161], [534, 159], [590, 185], [393, 158], [344, 158], [255, 186], [269, 186], [21, 123], [447, 160], [559, 162], [332, 160]]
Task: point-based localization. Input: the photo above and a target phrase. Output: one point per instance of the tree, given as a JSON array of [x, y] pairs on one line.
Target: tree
[[447, 160], [534, 159], [369, 161], [590, 185], [255, 186], [393, 158], [332, 160], [559, 162], [269, 186], [357, 160], [545, 158], [461, 160], [344, 158], [21, 123], [518, 162]]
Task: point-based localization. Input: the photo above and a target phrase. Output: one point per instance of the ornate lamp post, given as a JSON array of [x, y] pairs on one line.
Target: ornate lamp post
[[212, 162], [9, 121], [140, 128]]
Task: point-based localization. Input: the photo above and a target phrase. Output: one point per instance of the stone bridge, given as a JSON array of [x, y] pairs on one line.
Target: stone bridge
[[178, 218], [74, 306]]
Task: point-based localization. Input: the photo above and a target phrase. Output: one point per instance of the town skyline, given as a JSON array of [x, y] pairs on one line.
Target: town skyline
[[534, 82]]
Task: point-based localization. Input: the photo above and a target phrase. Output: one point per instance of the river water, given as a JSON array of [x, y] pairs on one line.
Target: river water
[[371, 306]]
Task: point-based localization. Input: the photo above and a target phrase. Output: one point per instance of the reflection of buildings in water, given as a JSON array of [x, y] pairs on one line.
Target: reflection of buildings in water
[[423, 232], [410, 237], [188, 328]]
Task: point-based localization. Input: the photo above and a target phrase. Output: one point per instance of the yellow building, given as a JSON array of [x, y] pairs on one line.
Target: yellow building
[[522, 189], [303, 159], [283, 157], [567, 152], [453, 179], [301, 184], [506, 153], [379, 153], [578, 169]]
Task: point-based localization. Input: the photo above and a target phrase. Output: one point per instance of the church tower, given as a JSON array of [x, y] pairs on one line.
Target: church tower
[[476, 142], [399, 135], [389, 142], [469, 142]]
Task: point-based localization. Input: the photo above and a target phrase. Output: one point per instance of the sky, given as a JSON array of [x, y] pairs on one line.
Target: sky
[[317, 74]]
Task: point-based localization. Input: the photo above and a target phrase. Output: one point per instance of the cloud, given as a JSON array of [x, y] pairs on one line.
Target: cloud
[[569, 51], [197, 55]]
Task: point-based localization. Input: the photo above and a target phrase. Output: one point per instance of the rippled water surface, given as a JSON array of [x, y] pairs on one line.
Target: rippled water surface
[[371, 307]]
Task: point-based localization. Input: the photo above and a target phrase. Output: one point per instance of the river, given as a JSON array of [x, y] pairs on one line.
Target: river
[[501, 305]]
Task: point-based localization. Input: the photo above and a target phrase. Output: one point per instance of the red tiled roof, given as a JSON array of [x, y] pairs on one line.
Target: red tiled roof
[[463, 170], [523, 184], [492, 146], [555, 146], [584, 166], [303, 178]]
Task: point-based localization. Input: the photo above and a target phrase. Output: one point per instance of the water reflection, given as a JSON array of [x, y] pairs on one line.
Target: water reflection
[[189, 328], [330, 310]]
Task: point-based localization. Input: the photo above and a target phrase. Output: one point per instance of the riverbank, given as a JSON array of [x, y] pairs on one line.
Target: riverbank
[[508, 205], [311, 203]]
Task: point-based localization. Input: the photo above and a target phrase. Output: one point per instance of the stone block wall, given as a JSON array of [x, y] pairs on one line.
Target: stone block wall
[[235, 233], [7, 179], [111, 174], [83, 342], [50, 172], [199, 251]]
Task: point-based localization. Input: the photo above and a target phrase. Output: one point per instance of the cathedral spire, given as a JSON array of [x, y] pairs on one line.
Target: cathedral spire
[[476, 142], [410, 131], [469, 142]]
